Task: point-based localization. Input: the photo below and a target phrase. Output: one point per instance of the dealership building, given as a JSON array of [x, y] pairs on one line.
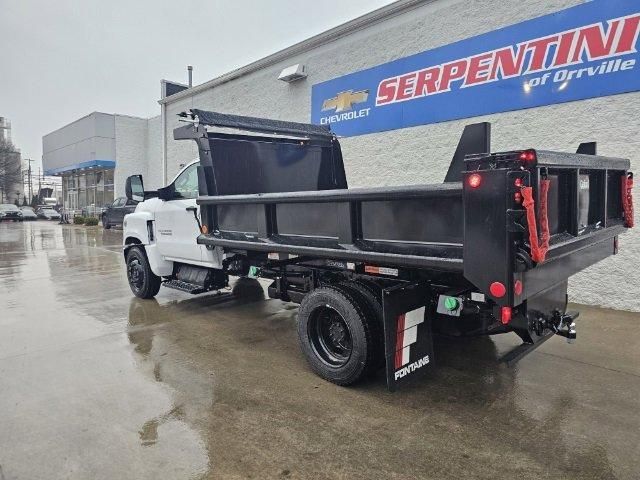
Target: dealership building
[[85, 154], [399, 84]]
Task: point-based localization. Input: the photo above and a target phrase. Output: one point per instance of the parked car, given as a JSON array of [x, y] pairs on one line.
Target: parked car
[[48, 213], [28, 213], [10, 212], [114, 213]]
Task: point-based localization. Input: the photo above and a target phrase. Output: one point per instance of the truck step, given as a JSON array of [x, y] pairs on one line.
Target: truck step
[[184, 286]]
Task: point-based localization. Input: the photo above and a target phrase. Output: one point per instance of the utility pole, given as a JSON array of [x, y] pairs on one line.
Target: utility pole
[[29, 179]]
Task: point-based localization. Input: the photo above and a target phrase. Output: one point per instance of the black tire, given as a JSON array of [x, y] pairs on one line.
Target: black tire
[[336, 336], [105, 223], [370, 299], [142, 281]]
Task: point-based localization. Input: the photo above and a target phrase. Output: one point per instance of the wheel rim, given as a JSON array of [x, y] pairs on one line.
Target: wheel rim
[[330, 337], [135, 272]]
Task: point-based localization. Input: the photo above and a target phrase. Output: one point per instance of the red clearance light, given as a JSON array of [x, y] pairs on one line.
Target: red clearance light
[[528, 156], [497, 289], [505, 315], [474, 180]]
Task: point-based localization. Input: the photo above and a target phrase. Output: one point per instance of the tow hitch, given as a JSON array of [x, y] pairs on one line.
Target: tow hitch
[[560, 324], [568, 326]]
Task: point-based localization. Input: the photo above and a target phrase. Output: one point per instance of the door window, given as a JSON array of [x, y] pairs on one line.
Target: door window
[[186, 185]]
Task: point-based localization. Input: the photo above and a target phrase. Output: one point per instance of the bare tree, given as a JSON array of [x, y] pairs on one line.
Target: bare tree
[[10, 171]]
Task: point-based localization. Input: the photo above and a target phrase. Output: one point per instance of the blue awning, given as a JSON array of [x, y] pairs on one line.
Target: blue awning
[[104, 164]]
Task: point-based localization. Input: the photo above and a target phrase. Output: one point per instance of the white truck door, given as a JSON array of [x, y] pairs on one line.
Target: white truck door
[[177, 229]]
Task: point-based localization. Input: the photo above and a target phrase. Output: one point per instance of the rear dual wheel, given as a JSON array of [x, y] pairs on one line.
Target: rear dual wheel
[[339, 334]]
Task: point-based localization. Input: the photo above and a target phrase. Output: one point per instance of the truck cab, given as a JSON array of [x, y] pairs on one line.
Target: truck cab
[[165, 222]]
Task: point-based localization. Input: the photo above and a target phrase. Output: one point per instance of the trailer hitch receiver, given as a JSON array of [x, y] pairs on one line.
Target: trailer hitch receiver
[[562, 324], [566, 326]]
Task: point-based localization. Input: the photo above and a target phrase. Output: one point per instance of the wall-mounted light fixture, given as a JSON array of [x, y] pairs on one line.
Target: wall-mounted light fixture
[[293, 73]]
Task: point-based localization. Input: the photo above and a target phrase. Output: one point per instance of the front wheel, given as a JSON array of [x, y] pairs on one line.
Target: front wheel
[[336, 335], [105, 223], [143, 282]]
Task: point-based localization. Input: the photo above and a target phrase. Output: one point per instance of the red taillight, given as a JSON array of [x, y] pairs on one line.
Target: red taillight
[[517, 287], [528, 156], [474, 180], [505, 315], [497, 289], [518, 182]]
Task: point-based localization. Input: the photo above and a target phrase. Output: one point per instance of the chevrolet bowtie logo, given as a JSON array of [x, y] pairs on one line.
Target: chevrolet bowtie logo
[[345, 100]]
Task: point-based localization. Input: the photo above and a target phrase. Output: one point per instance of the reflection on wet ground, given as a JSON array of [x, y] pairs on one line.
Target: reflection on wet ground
[[97, 384]]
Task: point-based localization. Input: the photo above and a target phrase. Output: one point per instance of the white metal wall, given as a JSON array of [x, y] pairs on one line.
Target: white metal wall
[[88, 138]]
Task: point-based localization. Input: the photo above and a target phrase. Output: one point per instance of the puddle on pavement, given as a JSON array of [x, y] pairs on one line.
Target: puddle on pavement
[[74, 390]]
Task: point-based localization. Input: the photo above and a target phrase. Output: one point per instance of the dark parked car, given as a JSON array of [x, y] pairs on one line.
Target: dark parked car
[[10, 212], [48, 213], [28, 213], [114, 213]]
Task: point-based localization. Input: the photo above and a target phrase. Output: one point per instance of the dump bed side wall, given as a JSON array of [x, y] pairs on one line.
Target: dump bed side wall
[[412, 227], [421, 220], [416, 221]]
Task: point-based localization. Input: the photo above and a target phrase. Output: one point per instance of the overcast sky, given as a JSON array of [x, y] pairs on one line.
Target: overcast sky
[[63, 59]]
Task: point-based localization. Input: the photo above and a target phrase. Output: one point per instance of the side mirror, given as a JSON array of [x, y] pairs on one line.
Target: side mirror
[[134, 188]]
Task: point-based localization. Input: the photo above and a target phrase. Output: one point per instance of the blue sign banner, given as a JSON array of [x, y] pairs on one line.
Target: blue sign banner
[[586, 51]]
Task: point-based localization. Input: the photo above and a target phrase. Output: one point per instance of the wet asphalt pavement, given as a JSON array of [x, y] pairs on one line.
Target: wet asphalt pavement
[[96, 384]]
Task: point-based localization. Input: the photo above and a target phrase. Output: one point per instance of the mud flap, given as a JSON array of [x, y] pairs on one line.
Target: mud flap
[[407, 331]]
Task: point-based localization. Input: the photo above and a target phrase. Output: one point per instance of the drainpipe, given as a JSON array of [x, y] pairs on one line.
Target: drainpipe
[[163, 134], [163, 121]]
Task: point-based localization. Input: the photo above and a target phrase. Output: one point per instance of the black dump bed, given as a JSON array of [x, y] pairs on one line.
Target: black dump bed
[[284, 190]]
